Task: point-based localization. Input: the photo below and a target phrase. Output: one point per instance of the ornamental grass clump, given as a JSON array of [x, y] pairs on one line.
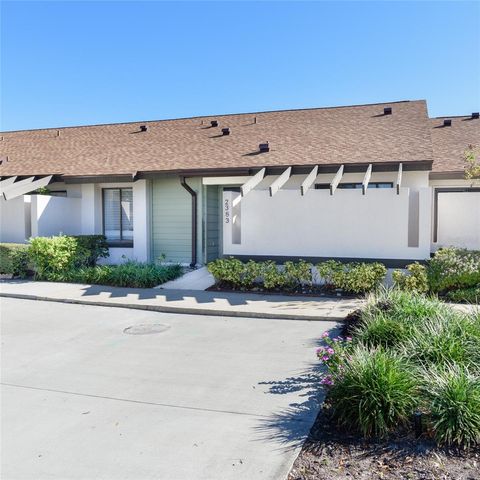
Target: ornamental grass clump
[[452, 338], [409, 353], [374, 391], [403, 307], [453, 401], [382, 330], [129, 274]]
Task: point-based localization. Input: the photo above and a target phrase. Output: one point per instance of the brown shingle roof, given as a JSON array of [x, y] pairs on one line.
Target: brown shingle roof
[[450, 143], [340, 135]]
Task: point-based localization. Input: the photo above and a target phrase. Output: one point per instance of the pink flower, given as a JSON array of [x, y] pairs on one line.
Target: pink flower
[[325, 358], [325, 335], [327, 380], [348, 339], [330, 351]]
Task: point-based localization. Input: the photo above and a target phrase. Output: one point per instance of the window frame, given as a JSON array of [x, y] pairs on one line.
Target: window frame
[[126, 243], [354, 185]]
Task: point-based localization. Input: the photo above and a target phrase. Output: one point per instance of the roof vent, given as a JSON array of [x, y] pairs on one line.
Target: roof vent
[[143, 128], [475, 115], [387, 111], [264, 147], [226, 131], [214, 123], [447, 122]]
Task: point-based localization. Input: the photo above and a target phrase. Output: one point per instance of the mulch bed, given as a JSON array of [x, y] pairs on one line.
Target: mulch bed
[[329, 454], [316, 291]]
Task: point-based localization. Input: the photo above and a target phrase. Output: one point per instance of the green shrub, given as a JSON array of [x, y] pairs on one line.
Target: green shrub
[[250, 273], [54, 255], [272, 276], [364, 277], [129, 274], [453, 269], [415, 281], [454, 404], [376, 392], [92, 247], [14, 259], [227, 271], [352, 277], [468, 295], [232, 272], [21, 265], [298, 274], [331, 272]]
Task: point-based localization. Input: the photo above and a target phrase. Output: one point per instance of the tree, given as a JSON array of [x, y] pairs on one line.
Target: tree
[[472, 161]]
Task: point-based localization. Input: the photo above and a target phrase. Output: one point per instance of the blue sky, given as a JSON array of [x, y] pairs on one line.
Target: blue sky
[[72, 63]]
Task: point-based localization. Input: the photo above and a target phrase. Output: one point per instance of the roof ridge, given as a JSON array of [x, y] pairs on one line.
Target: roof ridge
[[212, 115], [450, 116]]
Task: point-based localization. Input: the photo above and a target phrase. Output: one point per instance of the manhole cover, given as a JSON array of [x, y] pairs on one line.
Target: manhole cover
[[146, 329]]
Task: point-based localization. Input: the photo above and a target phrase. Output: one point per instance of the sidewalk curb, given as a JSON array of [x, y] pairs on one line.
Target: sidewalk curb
[[181, 310]]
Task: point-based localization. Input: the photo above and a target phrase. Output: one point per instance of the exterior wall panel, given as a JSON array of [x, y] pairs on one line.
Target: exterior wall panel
[[347, 224], [171, 220], [459, 220], [212, 224]]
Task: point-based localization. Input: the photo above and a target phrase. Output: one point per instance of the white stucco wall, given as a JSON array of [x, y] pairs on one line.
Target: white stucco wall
[[459, 220], [13, 216], [117, 255], [347, 224], [91, 209], [54, 215], [458, 214], [141, 220]]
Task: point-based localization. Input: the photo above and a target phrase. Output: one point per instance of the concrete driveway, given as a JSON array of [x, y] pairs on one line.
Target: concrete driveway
[[175, 397]]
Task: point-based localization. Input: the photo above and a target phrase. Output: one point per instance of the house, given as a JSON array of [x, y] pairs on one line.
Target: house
[[380, 181]]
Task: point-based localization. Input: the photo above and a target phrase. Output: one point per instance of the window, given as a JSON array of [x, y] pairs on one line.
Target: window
[[326, 186], [118, 215], [58, 193]]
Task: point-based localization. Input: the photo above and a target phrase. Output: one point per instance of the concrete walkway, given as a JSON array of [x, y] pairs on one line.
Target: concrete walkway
[[199, 279], [185, 301]]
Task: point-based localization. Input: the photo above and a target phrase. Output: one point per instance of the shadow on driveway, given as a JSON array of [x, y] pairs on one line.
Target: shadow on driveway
[[291, 426]]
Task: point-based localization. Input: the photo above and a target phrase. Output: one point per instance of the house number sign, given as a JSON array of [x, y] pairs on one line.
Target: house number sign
[[226, 210]]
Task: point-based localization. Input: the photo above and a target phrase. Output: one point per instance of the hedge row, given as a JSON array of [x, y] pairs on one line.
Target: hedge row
[[73, 259], [43, 255], [350, 277]]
